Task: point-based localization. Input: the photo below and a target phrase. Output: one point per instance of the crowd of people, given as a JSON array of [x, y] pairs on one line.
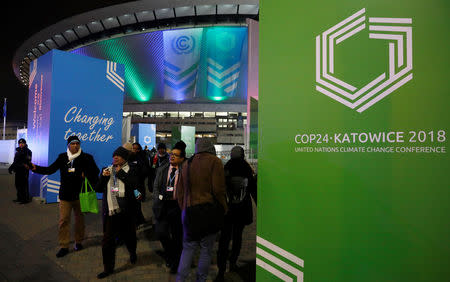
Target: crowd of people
[[194, 200]]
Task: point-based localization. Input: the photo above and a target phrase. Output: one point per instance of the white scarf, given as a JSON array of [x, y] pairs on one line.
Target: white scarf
[[113, 205], [73, 156]]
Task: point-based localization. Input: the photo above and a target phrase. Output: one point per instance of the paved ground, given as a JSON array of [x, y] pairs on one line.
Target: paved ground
[[28, 244]]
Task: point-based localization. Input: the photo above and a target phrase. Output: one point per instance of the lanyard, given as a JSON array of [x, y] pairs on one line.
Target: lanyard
[[172, 179], [114, 176]]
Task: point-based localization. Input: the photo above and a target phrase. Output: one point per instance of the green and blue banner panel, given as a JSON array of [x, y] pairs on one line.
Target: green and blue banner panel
[[185, 65], [353, 147]]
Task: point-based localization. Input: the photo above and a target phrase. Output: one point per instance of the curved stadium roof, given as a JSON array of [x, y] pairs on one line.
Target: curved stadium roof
[[130, 18]]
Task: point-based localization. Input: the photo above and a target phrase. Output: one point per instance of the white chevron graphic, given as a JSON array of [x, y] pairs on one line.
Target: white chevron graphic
[[382, 85], [112, 76], [43, 184], [276, 261], [213, 73], [225, 82], [33, 73], [53, 186]]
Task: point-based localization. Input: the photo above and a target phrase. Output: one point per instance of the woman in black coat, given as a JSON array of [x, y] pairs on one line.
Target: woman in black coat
[[119, 184], [241, 183]]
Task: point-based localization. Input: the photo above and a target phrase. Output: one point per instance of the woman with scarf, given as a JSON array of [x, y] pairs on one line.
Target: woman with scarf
[[73, 166], [119, 183]]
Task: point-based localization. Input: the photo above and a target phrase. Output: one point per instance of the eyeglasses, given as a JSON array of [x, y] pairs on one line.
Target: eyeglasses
[[175, 155]]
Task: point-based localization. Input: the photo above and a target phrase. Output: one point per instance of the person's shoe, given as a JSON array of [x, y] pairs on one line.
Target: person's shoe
[[103, 274], [133, 258], [62, 252], [78, 247]]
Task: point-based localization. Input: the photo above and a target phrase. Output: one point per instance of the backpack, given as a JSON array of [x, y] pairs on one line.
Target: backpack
[[236, 189]]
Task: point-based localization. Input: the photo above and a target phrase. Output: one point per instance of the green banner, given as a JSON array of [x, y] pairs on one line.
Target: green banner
[[353, 161], [187, 134]]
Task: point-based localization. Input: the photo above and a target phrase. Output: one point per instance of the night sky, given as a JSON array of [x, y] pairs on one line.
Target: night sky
[[20, 20]]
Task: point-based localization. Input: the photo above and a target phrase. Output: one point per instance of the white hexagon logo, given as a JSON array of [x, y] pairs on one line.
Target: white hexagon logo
[[397, 31], [147, 139]]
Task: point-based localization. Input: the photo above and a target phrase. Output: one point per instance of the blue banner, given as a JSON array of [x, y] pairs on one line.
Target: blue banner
[[181, 60], [73, 95], [145, 134]]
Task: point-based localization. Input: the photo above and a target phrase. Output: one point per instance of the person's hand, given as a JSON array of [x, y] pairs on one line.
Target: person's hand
[[106, 172], [33, 167], [117, 168]]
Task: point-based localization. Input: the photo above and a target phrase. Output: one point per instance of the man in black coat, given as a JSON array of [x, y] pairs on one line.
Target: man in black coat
[[167, 213], [74, 165], [22, 159], [158, 160], [119, 184]]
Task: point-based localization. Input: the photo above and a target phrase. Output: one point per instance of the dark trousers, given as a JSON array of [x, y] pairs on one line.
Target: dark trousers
[[169, 231], [21, 181], [231, 230], [120, 225], [140, 219]]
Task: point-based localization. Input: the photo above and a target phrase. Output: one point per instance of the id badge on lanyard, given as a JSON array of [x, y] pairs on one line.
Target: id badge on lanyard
[[71, 169], [115, 186], [169, 187]]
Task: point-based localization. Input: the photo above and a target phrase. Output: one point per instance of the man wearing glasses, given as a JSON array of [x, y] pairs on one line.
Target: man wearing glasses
[[166, 211]]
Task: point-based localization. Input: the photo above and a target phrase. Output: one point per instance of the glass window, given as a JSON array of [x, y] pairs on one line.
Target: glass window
[[126, 114], [184, 114], [209, 114], [138, 114], [197, 114], [160, 114], [244, 114], [172, 114], [222, 114]]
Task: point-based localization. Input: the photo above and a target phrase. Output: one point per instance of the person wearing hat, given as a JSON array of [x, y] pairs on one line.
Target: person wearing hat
[[166, 211], [159, 160], [202, 181], [241, 183], [22, 159], [118, 183], [73, 165]]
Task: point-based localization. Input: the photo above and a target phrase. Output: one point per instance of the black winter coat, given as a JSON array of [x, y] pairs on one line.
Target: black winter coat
[[71, 181], [242, 212], [130, 179], [21, 158], [159, 190]]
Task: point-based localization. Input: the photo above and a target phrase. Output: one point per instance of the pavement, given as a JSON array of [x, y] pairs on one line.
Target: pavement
[[28, 244]]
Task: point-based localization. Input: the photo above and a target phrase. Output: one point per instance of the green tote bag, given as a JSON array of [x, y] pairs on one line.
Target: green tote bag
[[88, 199]]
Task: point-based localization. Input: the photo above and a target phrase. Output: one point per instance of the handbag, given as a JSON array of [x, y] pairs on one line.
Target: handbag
[[88, 199], [202, 219]]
